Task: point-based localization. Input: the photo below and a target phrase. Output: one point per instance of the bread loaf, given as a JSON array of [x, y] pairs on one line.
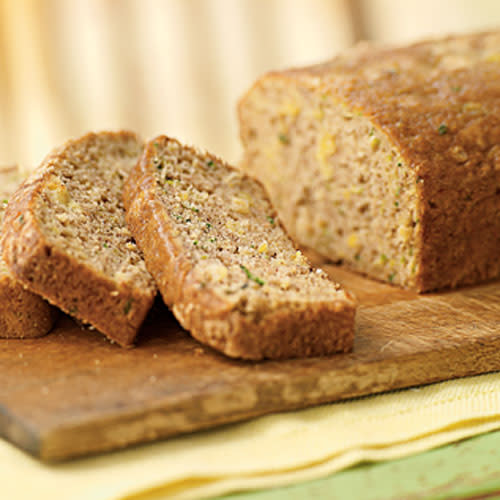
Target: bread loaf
[[65, 236], [387, 159], [22, 313], [223, 263]]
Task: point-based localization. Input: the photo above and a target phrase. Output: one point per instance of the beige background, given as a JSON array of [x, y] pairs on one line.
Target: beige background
[[178, 66]]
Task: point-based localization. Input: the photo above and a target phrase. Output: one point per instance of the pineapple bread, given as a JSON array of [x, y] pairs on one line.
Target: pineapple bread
[[22, 313], [65, 236], [387, 159], [224, 264]]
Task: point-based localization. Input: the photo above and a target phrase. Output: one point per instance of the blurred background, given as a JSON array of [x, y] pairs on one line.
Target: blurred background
[[179, 66]]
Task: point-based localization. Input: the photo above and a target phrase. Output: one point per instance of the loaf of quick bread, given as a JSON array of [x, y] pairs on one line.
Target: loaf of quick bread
[[224, 264], [65, 236], [387, 159], [22, 313]]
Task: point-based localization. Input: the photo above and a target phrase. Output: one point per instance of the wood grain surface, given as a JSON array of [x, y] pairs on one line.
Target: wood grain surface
[[73, 393]]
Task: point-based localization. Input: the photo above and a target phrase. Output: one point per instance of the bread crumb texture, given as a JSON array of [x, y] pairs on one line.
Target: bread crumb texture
[[81, 211], [387, 159], [67, 238], [244, 287]]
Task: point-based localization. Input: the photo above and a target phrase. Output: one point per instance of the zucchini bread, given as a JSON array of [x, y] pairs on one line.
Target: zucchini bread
[[387, 159], [224, 264], [22, 313], [65, 236]]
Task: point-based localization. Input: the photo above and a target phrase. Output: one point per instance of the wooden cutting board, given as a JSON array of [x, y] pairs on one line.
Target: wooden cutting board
[[73, 393]]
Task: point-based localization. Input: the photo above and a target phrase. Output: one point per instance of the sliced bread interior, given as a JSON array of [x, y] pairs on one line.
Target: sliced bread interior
[[223, 262], [387, 159], [66, 239], [22, 313]]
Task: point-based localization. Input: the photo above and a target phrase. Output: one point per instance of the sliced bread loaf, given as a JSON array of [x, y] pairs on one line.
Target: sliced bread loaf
[[387, 159], [223, 262], [65, 236], [22, 313]]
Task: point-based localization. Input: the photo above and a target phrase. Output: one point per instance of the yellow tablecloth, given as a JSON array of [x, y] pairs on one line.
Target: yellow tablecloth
[[268, 451]]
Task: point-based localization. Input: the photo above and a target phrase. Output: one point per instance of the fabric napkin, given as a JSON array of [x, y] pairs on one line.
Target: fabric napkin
[[268, 451]]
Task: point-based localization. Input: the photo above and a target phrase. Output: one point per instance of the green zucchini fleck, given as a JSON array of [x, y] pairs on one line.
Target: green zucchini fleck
[[127, 307], [284, 139], [443, 129], [252, 277]]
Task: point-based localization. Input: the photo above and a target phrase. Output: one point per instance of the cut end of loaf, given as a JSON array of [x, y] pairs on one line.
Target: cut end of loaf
[[353, 197], [397, 148], [227, 268]]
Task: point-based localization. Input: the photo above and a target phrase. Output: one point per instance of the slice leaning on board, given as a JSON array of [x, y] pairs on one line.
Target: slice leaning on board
[[224, 264], [65, 236]]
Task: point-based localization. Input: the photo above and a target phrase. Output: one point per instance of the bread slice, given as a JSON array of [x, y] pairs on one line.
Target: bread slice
[[387, 159], [22, 314], [65, 236], [223, 262]]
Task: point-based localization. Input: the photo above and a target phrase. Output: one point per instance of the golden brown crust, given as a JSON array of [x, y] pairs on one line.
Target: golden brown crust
[[116, 309], [320, 329], [22, 313], [439, 103]]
